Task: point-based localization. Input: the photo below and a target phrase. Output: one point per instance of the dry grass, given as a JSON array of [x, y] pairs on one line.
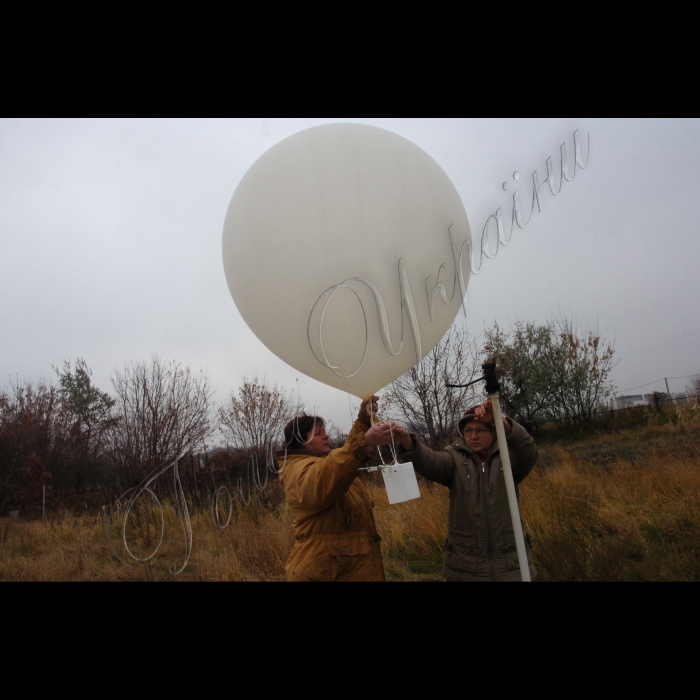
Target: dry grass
[[413, 533], [622, 510], [254, 547], [611, 508]]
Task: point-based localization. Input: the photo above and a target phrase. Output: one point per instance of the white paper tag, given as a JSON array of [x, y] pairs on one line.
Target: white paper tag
[[400, 481]]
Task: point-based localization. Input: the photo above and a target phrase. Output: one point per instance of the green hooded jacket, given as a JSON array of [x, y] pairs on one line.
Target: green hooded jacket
[[480, 544]]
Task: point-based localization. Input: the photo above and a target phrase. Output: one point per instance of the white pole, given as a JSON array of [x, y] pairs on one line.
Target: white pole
[[510, 487]]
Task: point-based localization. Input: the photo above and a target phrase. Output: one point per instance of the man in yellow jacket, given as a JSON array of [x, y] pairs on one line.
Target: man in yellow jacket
[[335, 535]]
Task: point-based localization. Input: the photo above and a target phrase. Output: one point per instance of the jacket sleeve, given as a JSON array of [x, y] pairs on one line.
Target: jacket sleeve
[[319, 483], [522, 450], [436, 466]]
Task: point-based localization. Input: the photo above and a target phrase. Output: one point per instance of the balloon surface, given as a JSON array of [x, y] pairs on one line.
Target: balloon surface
[[346, 250]]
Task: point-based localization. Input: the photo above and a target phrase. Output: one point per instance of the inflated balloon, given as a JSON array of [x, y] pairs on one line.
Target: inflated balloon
[[346, 250]]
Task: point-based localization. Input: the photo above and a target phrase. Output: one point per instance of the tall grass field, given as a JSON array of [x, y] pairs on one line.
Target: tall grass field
[[620, 505]]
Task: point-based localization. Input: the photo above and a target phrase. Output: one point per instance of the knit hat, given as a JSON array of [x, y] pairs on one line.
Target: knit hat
[[469, 415]]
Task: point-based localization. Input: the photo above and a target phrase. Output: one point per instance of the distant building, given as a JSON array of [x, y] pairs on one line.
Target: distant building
[[628, 401], [645, 400]]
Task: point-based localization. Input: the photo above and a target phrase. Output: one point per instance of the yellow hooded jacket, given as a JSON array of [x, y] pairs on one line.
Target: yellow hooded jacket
[[335, 535]]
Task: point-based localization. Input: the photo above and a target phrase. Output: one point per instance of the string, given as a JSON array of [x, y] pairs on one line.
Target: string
[[391, 432]]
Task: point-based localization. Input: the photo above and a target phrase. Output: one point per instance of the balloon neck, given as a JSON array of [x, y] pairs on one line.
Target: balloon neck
[[373, 416]]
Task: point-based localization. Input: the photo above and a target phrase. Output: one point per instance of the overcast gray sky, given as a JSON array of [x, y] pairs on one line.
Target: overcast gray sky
[[110, 240]]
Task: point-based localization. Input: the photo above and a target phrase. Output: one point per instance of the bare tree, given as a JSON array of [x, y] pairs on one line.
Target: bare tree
[[580, 361], [162, 408], [254, 418], [420, 398], [694, 386], [337, 436]]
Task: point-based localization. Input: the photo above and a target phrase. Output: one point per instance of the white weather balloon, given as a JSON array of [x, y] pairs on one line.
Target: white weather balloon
[[346, 250]]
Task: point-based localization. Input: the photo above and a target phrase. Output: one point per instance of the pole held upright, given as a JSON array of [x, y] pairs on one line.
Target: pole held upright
[[493, 389]]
